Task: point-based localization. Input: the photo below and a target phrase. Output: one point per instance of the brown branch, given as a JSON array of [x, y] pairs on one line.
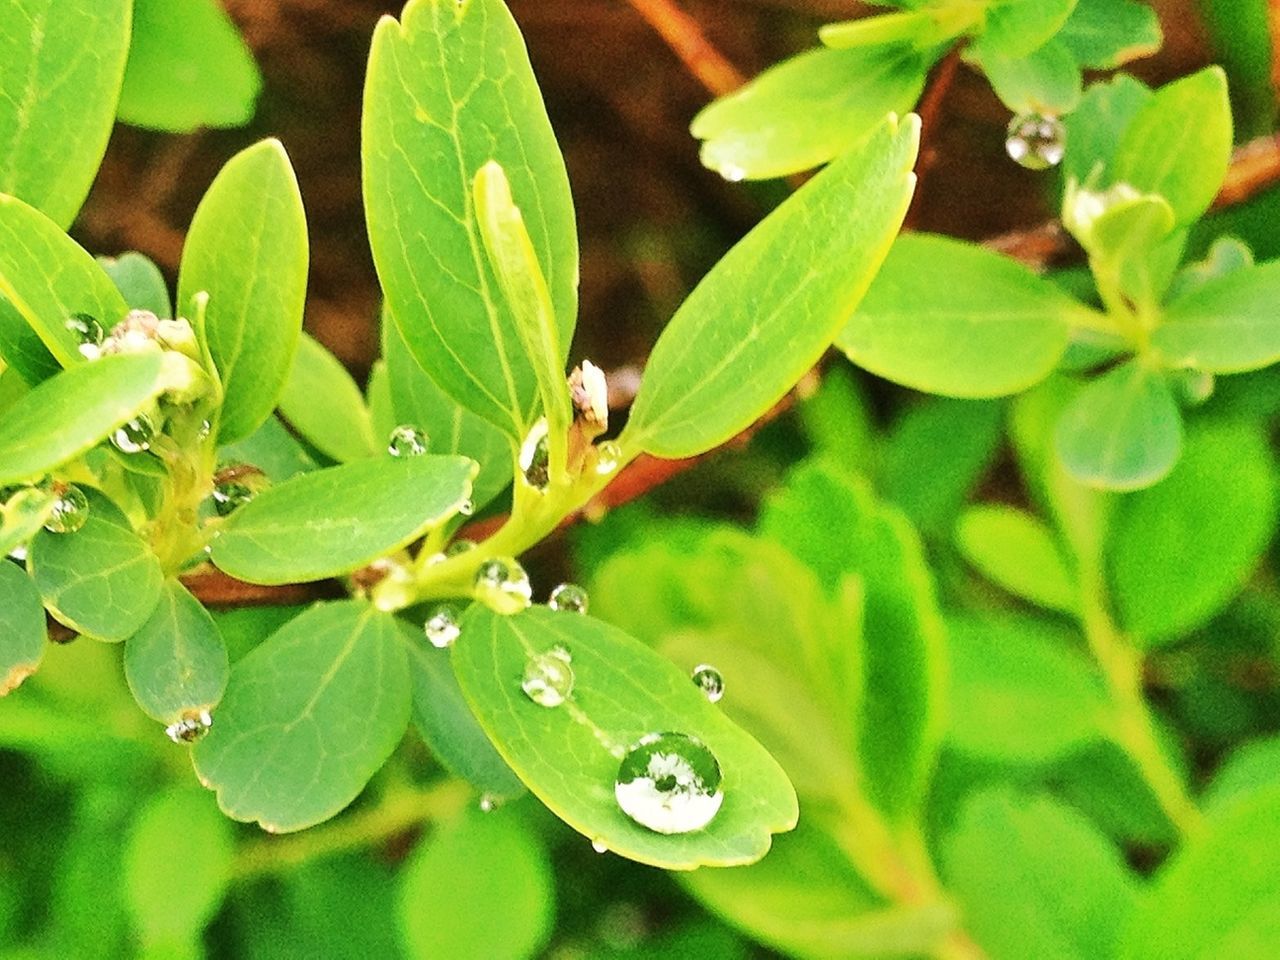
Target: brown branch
[[687, 41], [930, 111]]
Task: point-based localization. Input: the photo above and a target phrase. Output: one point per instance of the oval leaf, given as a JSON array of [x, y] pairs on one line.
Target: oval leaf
[[1018, 552], [333, 521], [1228, 325], [22, 632], [324, 404], [569, 755], [309, 717], [177, 661], [139, 281]]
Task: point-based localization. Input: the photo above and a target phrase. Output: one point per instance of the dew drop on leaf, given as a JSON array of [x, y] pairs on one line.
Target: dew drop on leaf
[[733, 173], [670, 783], [608, 456], [70, 511], [236, 485], [467, 507], [459, 546], [87, 331], [488, 803], [708, 679], [599, 846], [568, 597], [1036, 141], [535, 457], [503, 585], [548, 677], [134, 436], [442, 628], [407, 441], [190, 727]]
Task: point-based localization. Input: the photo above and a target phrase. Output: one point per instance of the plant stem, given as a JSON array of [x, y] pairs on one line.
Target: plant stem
[[686, 39]]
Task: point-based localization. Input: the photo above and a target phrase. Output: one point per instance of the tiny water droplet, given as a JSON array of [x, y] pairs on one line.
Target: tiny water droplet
[[708, 679], [270, 827], [608, 456], [236, 485], [467, 507], [442, 628], [70, 511], [535, 457], [134, 436], [548, 677], [568, 597], [1194, 387], [459, 546], [1036, 141], [733, 173], [190, 727], [393, 587], [407, 441], [599, 846], [206, 428], [488, 803], [19, 553], [503, 585], [670, 783], [89, 333]]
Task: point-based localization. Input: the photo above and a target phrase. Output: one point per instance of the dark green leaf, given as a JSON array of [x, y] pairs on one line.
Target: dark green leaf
[[22, 634], [1018, 552], [323, 403], [1240, 37], [1103, 34], [176, 662], [1227, 325], [139, 281]]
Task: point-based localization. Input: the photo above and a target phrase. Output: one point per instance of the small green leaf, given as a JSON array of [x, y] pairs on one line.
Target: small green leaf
[[1103, 34], [807, 110], [377, 397], [1228, 325], [139, 281], [1251, 767], [247, 248], [22, 514], [22, 632], [1016, 551], [569, 755], [176, 662], [68, 414], [952, 318], [768, 310], [1015, 28], [479, 886], [187, 68], [1046, 81], [449, 89], [920, 28], [61, 63], [1133, 242], [272, 449], [1227, 255], [1096, 126], [102, 580], [1036, 879], [309, 717], [333, 521], [1122, 431], [322, 402]]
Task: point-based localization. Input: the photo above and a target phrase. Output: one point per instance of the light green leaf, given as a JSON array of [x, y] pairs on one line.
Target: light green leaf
[[449, 89], [952, 318], [139, 281], [1228, 325], [309, 717], [1018, 552], [1046, 81], [247, 248], [1096, 126], [333, 521], [808, 110], [768, 310], [1225, 256], [22, 514], [1181, 550], [377, 397], [61, 63], [323, 403], [102, 580], [1251, 767], [1219, 895], [919, 28], [1122, 431], [65, 416], [569, 755], [1014, 28], [187, 68], [1103, 34], [1036, 879], [1133, 244], [460, 873], [176, 662], [272, 449], [22, 633], [178, 859]]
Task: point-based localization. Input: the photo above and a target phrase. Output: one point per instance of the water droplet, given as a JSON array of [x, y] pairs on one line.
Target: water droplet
[[733, 173], [88, 332], [393, 585], [569, 597], [548, 677], [599, 846], [134, 436], [670, 783], [236, 485], [535, 457], [70, 511], [459, 546], [442, 627], [608, 456], [503, 585], [190, 727], [467, 507], [1194, 387], [19, 553], [1036, 141], [488, 803], [407, 441], [206, 428], [708, 679]]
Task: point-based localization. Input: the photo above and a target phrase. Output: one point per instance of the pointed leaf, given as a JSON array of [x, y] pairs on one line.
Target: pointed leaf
[[323, 403], [176, 662], [22, 632], [1018, 552]]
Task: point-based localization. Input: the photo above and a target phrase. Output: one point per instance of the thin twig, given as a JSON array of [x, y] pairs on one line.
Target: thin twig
[[687, 41]]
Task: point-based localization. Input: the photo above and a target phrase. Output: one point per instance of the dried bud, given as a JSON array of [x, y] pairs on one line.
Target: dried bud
[[590, 393]]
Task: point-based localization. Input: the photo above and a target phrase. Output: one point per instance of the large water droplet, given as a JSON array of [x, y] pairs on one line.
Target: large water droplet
[[503, 585], [535, 457], [670, 783], [89, 334], [442, 628], [70, 511], [548, 677], [708, 679], [608, 456], [1036, 141], [134, 436], [568, 597], [407, 441], [236, 485], [190, 727]]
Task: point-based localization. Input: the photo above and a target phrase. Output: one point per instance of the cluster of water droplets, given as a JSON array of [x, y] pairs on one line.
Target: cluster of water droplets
[[190, 727], [670, 783], [501, 583], [548, 677], [441, 626], [1036, 141], [407, 440], [70, 511]]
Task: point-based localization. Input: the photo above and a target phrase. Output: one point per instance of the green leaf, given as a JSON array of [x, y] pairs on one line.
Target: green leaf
[[1219, 895], [67, 415], [1021, 691], [1036, 879], [61, 64], [187, 68], [103, 580], [808, 110], [1015, 28], [1096, 126], [272, 449], [1122, 431], [1179, 144], [378, 398], [178, 861], [247, 248], [1251, 768], [1018, 552], [1227, 325], [21, 347], [46, 277], [1046, 81], [569, 755], [139, 281], [176, 662], [333, 521], [1133, 244], [768, 310], [1181, 550], [1103, 34], [922, 29], [465, 869], [309, 717], [1239, 34], [1227, 255], [952, 318], [450, 89], [322, 402], [22, 632]]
